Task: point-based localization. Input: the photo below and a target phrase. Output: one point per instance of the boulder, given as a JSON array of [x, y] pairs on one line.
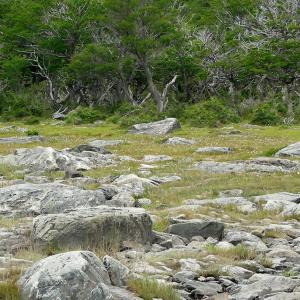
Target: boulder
[[179, 141], [133, 184], [262, 164], [118, 273], [156, 128], [104, 143], [156, 158], [200, 289], [238, 273], [261, 285], [93, 227], [236, 237], [34, 199], [291, 150], [73, 275], [241, 203], [49, 159], [90, 148], [198, 228], [217, 150], [21, 139]]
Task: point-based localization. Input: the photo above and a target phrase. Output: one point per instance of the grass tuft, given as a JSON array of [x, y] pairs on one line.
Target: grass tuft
[[148, 289]]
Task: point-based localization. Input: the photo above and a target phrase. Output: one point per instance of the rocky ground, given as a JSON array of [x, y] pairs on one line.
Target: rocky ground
[[159, 212]]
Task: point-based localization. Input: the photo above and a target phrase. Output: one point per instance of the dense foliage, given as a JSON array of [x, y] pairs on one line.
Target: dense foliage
[[208, 62]]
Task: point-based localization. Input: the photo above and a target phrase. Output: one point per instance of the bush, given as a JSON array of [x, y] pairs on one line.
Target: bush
[[128, 115], [266, 114], [84, 115], [211, 113], [23, 104], [32, 132]]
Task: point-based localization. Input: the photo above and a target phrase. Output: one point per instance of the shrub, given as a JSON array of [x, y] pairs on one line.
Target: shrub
[[210, 113], [23, 104], [32, 121], [266, 114], [149, 289], [84, 115], [32, 132]]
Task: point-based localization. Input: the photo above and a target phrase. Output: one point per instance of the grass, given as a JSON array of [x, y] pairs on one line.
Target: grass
[[8, 285], [148, 289], [237, 253], [212, 271], [274, 233]]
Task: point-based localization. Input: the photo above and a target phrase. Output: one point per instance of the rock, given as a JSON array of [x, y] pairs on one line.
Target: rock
[[167, 240], [118, 273], [34, 199], [204, 229], [231, 193], [287, 203], [121, 294], [92, 227], [77, 274], [72, 174], [104, 143], [156, 128], [261, 285], [224, 245], [238, 273], [224, 150], [122, 200], [21, 140], [36, 179], [263, 164], [84, 147], [245, 238], [241, 203], [184, 276], [291, 150], [156, 158], [49, 159], [165, 179], [200, 289], [284, 296], [144, 202], [133, 184], [189, 264], [179, 141]]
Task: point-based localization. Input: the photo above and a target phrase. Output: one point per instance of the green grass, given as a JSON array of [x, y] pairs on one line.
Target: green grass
[[148, 289], [236, 253]]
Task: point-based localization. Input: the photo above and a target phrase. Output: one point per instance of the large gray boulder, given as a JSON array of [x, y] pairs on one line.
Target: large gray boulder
[[247, 239], [262, 164], [156, 128], [198, 228], [76, 275], [261, 285], [34, 199], [21, 140], [118, 272], [291, 150], [93, 227], [49, 159], [287, 203]]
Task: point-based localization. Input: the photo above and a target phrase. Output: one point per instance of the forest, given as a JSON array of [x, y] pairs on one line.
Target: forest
[[207, 62]]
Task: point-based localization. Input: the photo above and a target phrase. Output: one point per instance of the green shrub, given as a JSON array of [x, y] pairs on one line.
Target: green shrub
[[32, 132], [210, 113], [84, 115], [149, 289], [128, 115], [23, 104], [32, 121], [266, 114]]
